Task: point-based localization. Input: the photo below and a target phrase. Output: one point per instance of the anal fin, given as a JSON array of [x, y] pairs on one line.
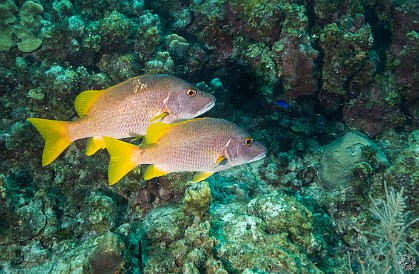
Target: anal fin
[[152, 171], [94, 144], [201, 175]]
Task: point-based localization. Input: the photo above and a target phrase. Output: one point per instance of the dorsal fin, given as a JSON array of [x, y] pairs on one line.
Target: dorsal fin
[[194, 120], [85, 100], [155, 132]]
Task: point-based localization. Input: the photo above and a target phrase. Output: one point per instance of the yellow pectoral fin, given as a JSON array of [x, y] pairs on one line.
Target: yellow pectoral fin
[[85, 100], [159, 117], [55, 136], [152, 171], [220, 160], [121, 162], [201, 175], [94, 144]]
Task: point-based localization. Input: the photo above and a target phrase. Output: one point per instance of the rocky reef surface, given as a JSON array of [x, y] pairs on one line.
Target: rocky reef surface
[[330, 87]]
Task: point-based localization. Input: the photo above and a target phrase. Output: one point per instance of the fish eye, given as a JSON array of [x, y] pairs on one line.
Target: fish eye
[[248, 141], [191, 92]]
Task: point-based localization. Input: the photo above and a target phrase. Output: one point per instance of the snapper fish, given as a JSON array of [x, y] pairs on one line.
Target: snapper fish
[[204, 145], [122, 111]]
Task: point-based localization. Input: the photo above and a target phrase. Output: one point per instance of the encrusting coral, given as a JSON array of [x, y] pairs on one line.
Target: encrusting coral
[[8, 11], [28, 29]]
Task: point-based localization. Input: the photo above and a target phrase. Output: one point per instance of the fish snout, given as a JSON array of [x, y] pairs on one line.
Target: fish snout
[[208, 102], [209, 106], [259, 151]]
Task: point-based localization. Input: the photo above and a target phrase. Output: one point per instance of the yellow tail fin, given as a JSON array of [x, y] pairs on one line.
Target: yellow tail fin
[[55, 136], [121, 158], [94, 144]]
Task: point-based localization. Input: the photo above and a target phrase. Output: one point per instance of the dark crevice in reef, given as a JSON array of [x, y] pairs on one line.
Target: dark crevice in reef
[[311, 17], [382, 35]]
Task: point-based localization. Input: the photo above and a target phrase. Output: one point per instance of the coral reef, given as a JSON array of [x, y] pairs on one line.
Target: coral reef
[[374, 116], [197, 199], [342, 157], [107, 256], [27, 27], [8, 11], [330, 87], [403, 55], [28, 30], [114, 30], [274, 236], [346, 46]]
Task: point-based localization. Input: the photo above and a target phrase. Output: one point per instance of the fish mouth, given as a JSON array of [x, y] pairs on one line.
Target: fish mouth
[[259, 157], [209, 106]]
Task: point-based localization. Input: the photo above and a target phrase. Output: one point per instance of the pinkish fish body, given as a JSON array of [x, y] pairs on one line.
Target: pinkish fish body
[[204, 145], [124, 110]]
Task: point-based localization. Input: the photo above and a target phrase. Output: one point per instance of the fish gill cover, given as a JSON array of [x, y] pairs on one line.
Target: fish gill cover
[[330, 87]]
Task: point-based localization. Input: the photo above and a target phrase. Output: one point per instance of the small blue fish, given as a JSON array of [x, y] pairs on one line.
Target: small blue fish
[[282, 103]]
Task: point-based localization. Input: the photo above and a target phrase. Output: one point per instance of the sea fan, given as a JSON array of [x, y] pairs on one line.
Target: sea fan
[[392, 230]]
